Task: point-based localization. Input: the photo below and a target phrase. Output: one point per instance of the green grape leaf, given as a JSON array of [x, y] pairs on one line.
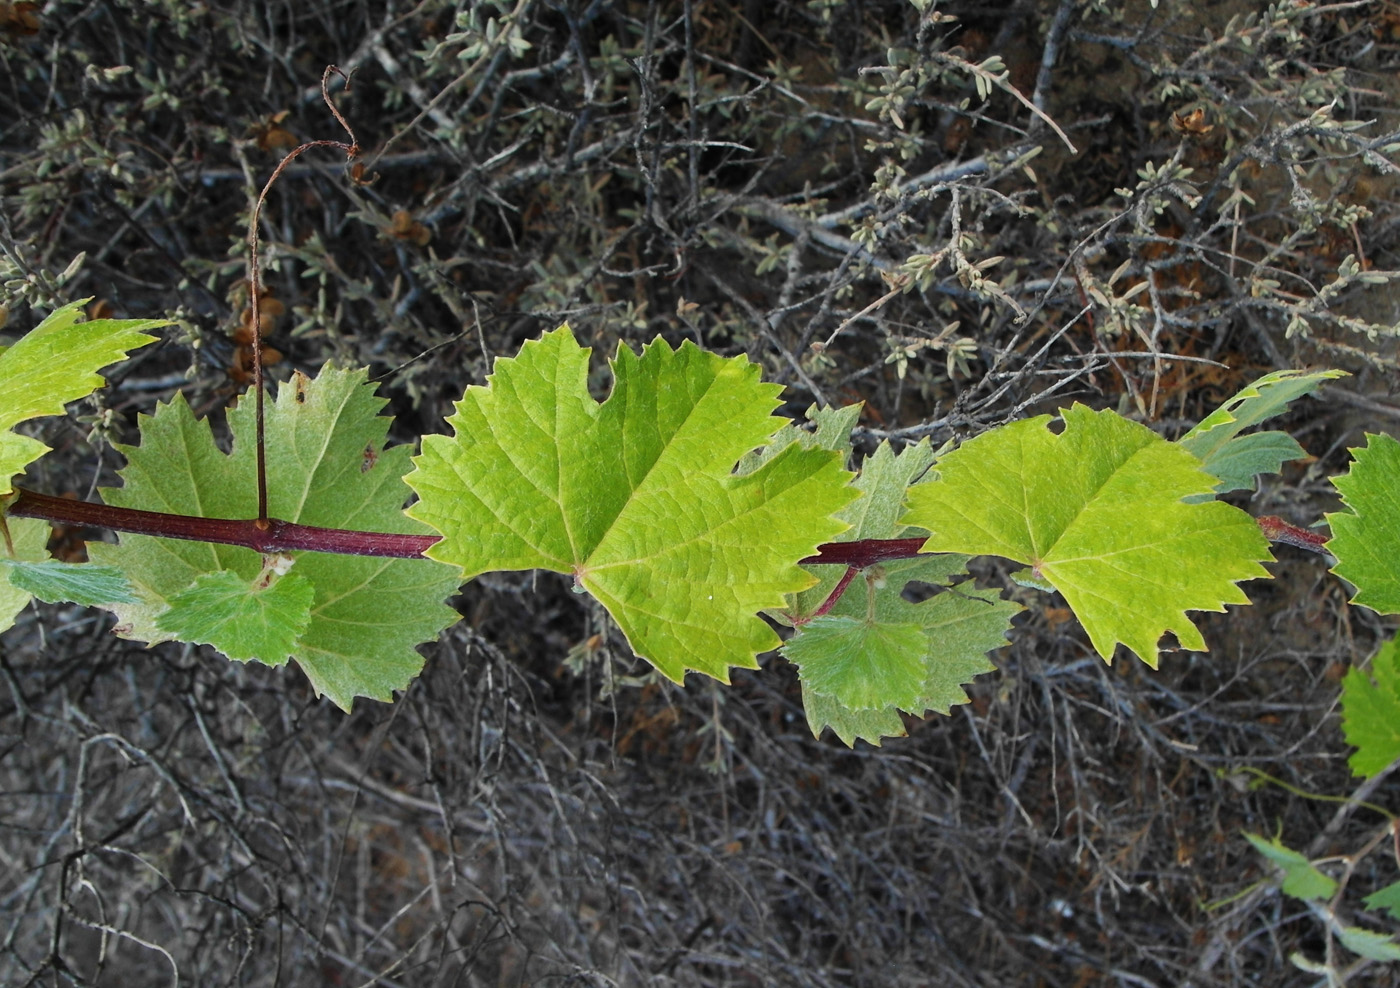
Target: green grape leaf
[[1300, 879], [263, 619], [1098, 512], [29, 536], [1368, 943], [1371, 712], [1366, 539], [636, 498], [1387, 898], [53, 364], [862, 663], [1238, 465], [874, 653], [80, 583], [1236, 460], [326, 466]]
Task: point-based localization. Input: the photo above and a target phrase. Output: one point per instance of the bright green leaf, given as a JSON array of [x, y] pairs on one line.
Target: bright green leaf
[[263, 619], [1098, 512], [29, 537], [1371, 712], [1366, 539], [1300, 879], [635, 498], [326, 466], [79, 583], [1369, 943], [53, 364], [1387, 898]]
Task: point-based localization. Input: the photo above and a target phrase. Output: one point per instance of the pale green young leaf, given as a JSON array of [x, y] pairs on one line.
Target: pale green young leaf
[[635, 498], [874, 653], [1300, 879], [29, 537], [1387, 898], [326, 466], [1369, 943], [1366, 539], [53, 364], [1098, 512], [261, 619], [79, 583], [875, 649], [1371, 712]]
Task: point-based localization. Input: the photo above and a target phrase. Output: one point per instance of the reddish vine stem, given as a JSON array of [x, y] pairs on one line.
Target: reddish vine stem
[[352, 151], [274, 535]]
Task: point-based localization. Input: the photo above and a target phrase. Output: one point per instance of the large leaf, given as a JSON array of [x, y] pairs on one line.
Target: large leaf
[[1236, 460], [326, 466], [635, 498], [1366, 539], [53, 364], [875, 653], [1371, 712], [1097, 512]]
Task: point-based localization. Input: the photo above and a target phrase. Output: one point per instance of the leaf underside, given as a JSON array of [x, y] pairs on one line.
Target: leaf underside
[[368, 614], [1098, 512], [636, 498], [53, 364], [29, 537]]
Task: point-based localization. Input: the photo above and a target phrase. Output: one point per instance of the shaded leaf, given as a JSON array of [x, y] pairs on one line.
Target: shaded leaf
[[263, 619], [80, 583], [29, 537], [1236, 459], [368, 614], [1387, 898]]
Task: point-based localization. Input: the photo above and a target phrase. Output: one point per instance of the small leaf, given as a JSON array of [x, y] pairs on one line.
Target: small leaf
[[1240, 462], [261, 619], [1371, 712], [1387, 898], [80, 583], [636, 498], [1098, 512], [1366, 539], [53, 364], [863, 664], [1368, 943], [1255, 403], [29, 536], [1300, 879]]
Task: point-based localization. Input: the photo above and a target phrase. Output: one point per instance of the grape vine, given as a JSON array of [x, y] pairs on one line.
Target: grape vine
[[698, 519]]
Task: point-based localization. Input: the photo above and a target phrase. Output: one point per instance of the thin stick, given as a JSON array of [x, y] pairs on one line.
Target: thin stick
[[352, 151]]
